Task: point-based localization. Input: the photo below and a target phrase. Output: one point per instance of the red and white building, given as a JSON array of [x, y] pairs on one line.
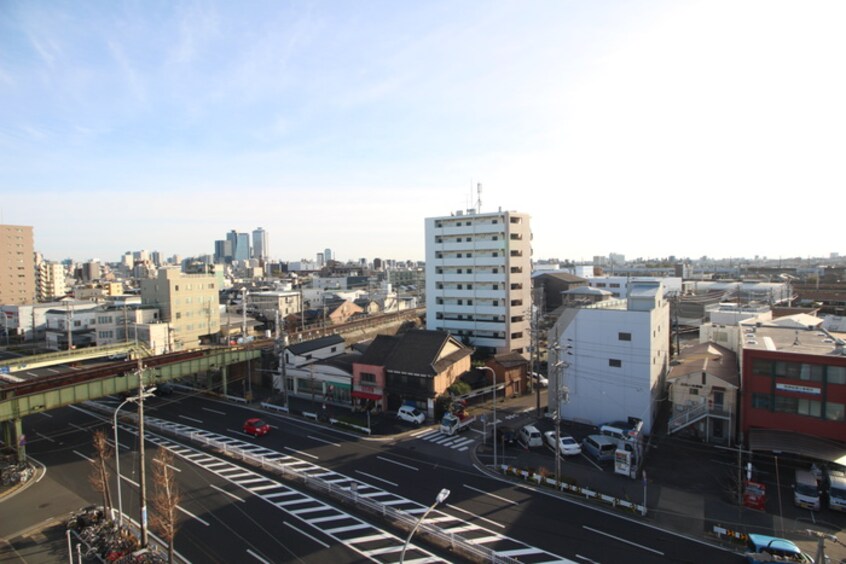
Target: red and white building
[[794, 387]]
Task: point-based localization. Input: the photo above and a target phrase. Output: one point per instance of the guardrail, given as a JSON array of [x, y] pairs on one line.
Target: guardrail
[[401, 519], [572, 488]]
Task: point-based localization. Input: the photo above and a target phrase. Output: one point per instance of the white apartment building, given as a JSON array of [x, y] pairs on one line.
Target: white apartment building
[[188, 302], [613, 357], [478, 278]]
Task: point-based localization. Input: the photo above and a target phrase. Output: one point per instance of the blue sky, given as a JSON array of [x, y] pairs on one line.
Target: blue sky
[[644, 128]]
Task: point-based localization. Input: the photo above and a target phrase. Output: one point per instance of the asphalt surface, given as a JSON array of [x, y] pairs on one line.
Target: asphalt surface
[[686, 490]]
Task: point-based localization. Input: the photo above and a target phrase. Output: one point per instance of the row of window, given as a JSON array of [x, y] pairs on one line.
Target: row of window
[[492, 303], [468, 223], [829, 410], [800, 371]]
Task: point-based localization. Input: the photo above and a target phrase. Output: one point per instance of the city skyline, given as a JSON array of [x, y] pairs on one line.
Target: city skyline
[[645, 129]]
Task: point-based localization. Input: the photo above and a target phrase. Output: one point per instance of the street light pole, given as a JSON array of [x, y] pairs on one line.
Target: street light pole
[[493, 378], [442, 495], [117, 463]]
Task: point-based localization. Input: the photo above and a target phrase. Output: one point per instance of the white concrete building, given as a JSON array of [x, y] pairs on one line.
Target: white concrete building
[[478, 278], [613, 357], [619, 285], [50, 281]]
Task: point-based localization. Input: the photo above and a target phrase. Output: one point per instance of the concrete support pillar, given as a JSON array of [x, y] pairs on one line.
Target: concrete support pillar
[[20, 440], [223, 377]]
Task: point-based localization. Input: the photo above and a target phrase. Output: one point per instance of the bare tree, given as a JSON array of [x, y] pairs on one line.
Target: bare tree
[[166, 496], [99, 476]]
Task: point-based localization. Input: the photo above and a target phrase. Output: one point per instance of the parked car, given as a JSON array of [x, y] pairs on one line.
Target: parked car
[[529, 436], [569, 445], [256, 427], [505, 435], [540, 380], [410, 414], [600, 447]]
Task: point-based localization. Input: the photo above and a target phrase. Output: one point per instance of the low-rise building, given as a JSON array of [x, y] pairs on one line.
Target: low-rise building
[[794, 386], [702, 387]]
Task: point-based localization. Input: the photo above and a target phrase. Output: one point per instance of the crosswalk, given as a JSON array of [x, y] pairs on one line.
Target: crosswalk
[[460, 443], [373, 543]]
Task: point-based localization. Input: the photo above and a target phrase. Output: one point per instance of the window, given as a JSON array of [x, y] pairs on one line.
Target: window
[[460, 302], [176, 288], [334, 349], [835, 411], [368, 378], [786, 405], [788, 369], [616, 363], [458, 255], [614, 285], [469, 302], [178, 315], [469, 255], [812, 372], [494, 254], [469, 271], [761, 401], [460, 287], [836, 375], [600, 284], [469, 286], [624, 336], [764, 367], [809, 407]]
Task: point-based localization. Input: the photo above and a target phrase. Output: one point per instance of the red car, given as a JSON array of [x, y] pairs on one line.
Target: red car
[[755, 495], [256, 427]]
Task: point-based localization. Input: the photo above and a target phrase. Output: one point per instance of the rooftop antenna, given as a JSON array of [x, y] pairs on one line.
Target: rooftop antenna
[[478, 197]]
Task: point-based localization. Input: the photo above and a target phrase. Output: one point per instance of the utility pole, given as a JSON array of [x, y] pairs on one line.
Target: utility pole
[[142, 478], [244, 314], [69, 320]]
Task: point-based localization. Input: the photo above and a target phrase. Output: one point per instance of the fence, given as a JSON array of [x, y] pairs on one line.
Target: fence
[[404, 520]]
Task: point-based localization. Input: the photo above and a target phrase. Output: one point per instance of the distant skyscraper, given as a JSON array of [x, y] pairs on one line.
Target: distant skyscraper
[[240, 245], [156, 257], [17, 265], [260, 247], [327, 255], [223, 251], [321, 260]]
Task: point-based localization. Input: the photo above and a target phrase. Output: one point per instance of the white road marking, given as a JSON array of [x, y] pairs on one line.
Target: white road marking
[[186, 512], [257, 557], [172, 467], [214, 411], [398, 463], [243, 434], [474, 515], [490, 494], [658, 552], [54, 371], [423, 433], [83, 456], [190, 419], [324, 441], [75, 426], [45, 437], [230, 494], [46, 415], [125, 479], [305, 534], [302, 453], [376, 478]]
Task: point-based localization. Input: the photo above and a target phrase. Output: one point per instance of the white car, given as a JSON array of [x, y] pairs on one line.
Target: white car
[[569, 446], [540, 380], [410, 414]]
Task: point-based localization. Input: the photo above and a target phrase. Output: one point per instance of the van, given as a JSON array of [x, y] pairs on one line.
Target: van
[[806, 492], [600, 447], [773, 549], [410, 414], [837, 491], [530, 437], [614, 432]]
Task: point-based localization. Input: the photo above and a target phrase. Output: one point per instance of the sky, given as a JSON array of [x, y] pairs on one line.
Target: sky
[[646, 128]]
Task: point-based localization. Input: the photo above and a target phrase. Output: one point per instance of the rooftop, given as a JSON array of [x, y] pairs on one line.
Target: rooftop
[[800, 334]]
